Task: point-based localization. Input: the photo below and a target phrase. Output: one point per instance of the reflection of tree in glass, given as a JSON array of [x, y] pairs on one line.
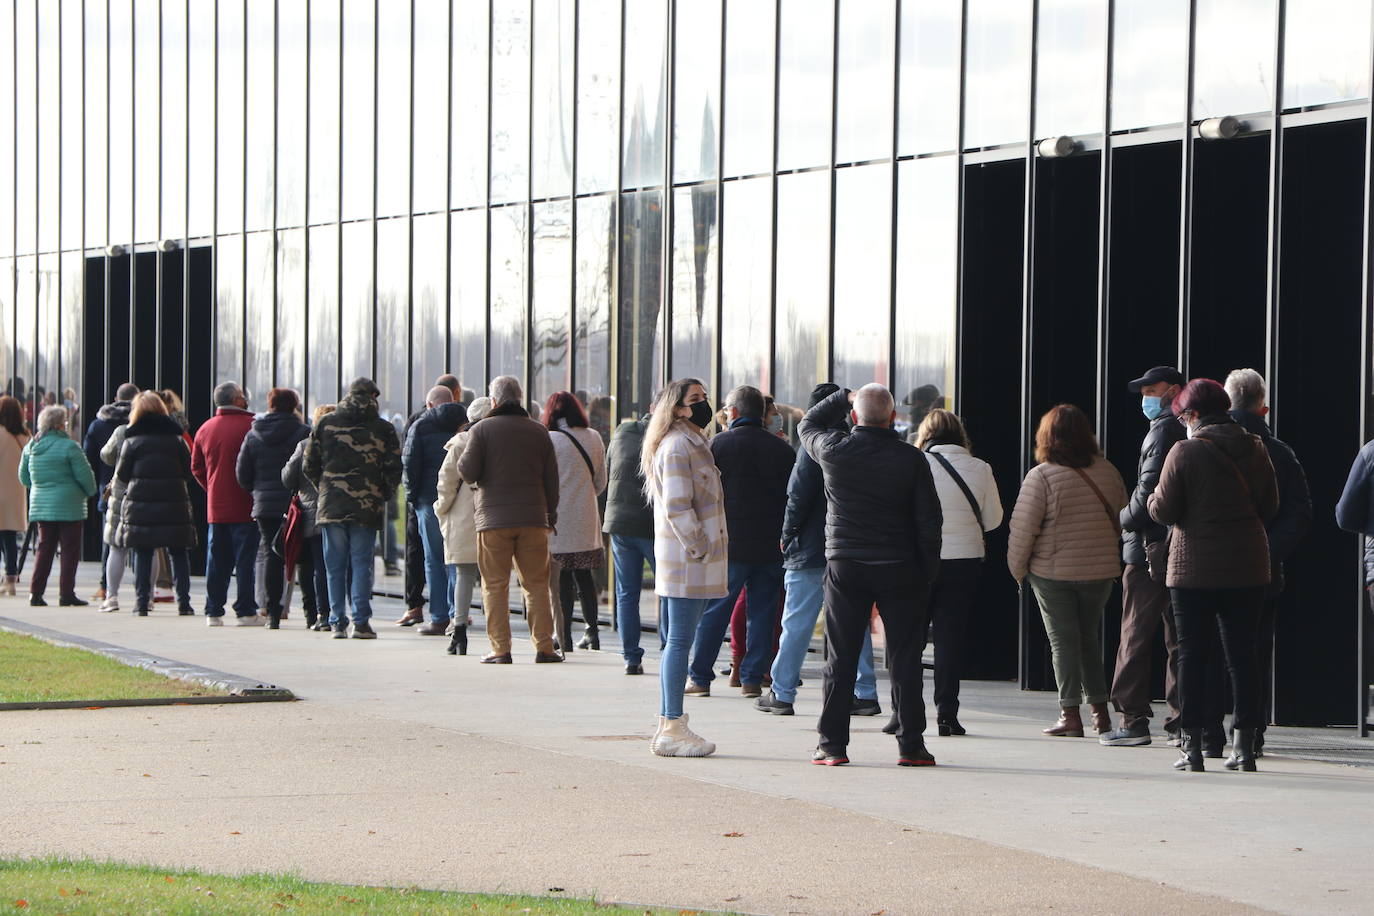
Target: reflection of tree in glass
[[641, 269]]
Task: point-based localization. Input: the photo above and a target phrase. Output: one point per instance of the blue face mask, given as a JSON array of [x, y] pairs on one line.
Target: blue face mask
[[1151, 407]]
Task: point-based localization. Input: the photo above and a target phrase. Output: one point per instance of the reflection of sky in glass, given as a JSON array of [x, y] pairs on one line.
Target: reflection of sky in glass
[[291, 307], [260, 126], [1326, 51], [1150, 63], [122, 116], [428, 304], [552, 96], [355, 301], [468, 306], [146, 61], [929, 117], [598, 94], [807, 46], [927, 266], [324, 112], [6, 314], [803, 284], [201, 182], [592, 291], [749, 38], [644, 92], [393, 111], [469, 90], [229, 307], [1234, 61], [549, 347], [696, 88], [73, 277], [640, 365], [510, 100], [431, 107], [867, 46], [73, 127], [747, 281], [322, 341], [998, 72], [696, 260], [863, 276], [291, 118], [259, 320], [173, 120], [509, 274], [49, 129], [359, 48], [393, 301], [26, 300], [96, 123], [1070, 86]]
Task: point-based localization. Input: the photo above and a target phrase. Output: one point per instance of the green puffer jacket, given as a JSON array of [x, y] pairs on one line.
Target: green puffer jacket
[[59, 479], [354, 458]]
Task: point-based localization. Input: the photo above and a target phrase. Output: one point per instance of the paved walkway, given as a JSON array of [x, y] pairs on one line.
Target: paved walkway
[[406, 766]]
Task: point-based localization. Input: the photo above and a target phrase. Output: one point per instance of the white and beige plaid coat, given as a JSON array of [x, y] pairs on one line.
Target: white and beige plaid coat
[[690, 542]]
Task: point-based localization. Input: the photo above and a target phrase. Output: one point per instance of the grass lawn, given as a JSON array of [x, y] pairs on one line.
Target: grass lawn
[[33, 670], [79, 887]]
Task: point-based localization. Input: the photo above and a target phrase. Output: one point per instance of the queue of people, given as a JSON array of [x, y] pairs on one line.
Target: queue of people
[[867, 517]]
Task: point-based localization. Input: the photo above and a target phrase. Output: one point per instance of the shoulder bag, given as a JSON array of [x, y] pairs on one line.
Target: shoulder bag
[[581, 451], [1106, 506], [968, 494]]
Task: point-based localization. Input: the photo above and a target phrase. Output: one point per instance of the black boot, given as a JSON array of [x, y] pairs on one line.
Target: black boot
[[274, 620], [1190, 751], [1242, 751], [458, 642], [590, 639], [891, 727]]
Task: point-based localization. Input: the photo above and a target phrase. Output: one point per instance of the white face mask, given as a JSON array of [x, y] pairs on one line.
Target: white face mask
[[1191, 428]]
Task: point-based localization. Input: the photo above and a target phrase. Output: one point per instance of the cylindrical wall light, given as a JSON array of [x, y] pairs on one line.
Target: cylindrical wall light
[[1219, 128], [1056, 147]]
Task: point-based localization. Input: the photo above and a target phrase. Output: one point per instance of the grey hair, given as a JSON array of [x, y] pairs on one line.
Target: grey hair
[[126, 392], [225, 393], [1246, 388], [439, 394], [873, 404], [748, 400], [54, 417], [505, 389]]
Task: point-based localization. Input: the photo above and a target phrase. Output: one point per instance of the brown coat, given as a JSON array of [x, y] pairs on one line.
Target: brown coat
[[1218, 538], [1060, 529], [510, 460], [14, 499]]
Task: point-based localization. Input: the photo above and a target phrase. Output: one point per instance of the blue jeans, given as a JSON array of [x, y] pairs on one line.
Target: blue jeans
[[800, 611], [629, 554], [681, 617], [348, 549], [763, 580], [436, 573], [231, 549], [143, 575]]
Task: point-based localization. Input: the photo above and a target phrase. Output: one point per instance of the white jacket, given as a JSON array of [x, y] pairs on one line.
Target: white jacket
[[579, 516], [960, 537], [455, 506]]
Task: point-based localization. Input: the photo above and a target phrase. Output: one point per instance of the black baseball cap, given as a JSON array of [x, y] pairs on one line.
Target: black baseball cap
[[1157, 374]]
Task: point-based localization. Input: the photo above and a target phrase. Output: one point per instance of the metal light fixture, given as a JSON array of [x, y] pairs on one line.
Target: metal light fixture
[[114, 251], [166, 245], [1219, 128], [1056, 147]]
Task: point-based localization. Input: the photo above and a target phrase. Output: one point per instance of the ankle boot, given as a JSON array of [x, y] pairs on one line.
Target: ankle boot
[[591, 639], [274, 620], [1242, 751], [1190, 751], [1070, 724], [1102, 718], [458, 642], [10, 583], [675, 739], [734, 670]]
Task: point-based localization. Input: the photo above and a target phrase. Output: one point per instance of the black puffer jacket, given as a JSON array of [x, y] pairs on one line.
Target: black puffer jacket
[[628, 513], [424, 451], [1290, 526], [155, 467], [1137, 528], [882, 503], [294, 480], [754, 468], [262, 456]]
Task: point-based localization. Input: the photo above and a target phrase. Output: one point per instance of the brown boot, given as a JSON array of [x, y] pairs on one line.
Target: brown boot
[[1070, 724], [734, 671], [1102, 718], [411, 617]]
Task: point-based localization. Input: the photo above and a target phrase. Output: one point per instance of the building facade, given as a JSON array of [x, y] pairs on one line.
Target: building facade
[[994, 205]]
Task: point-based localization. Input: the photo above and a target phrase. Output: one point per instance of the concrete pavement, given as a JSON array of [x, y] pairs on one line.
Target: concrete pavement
[[528, 777]]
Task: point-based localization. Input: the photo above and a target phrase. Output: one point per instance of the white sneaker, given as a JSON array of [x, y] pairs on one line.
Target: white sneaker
[[675, 739], [214, 621], [109, 605], [252, 620]]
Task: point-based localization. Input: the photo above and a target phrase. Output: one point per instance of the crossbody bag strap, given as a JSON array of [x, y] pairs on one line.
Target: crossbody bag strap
[[1230, 463], [580, 450], [959, 480], [1106, 506]]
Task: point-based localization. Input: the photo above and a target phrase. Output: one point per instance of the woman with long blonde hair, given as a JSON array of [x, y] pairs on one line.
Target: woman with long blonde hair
[[690, 541]]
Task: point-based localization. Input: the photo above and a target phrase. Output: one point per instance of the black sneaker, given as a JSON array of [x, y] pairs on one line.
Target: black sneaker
[[634, 669], [865, 708], [823, 758], [916, 756], [363, 631], [1136, 734], [72, 601], [769, 703], [185, 610], [37, 601], [340, 631], [949, 727]]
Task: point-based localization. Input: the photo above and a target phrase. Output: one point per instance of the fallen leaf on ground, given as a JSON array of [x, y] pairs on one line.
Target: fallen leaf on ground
[[235, 833], [733, 833], [21, 903]]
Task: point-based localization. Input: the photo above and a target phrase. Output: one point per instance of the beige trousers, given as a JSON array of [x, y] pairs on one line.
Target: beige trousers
[[528, 549]]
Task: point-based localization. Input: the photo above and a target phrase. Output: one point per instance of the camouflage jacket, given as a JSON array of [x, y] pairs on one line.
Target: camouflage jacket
[[354, 458]]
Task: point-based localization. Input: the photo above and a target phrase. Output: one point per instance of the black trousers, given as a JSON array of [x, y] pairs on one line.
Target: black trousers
[[585, 582], [314, 578], [950, 600], [1235, 613], [851, 590], [273, 565], [415, 561]]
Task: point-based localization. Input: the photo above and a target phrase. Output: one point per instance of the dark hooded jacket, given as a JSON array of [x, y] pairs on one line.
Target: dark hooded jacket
[[1137, 528], [628, 512], [754, 469], [1355, 509], [262, 456], [354, 459], [803, 524], [1218, 491], [155, 468], [1294, 517], [424, 450], [107, 419]]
